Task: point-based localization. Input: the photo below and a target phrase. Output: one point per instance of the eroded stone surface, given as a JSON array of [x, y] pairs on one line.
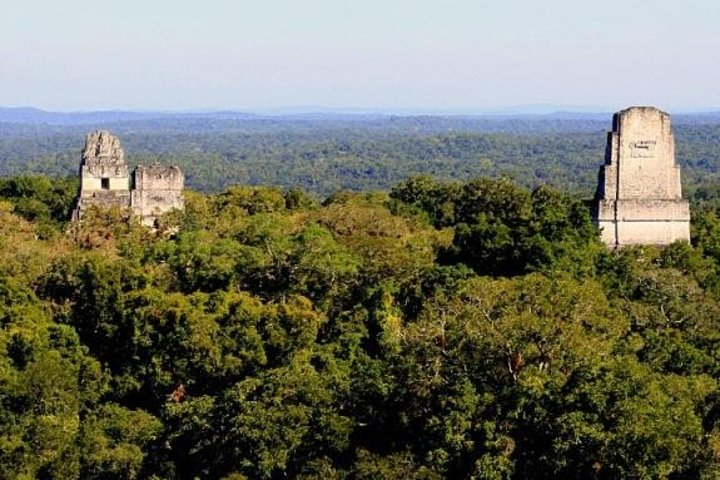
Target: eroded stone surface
[[104, 177], [158, 189], [102, 148], [639, 197], [106, 182]]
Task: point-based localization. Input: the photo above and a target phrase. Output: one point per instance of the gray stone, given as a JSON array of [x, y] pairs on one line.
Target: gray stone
[[158, 189], [639, 197], [105, 181]]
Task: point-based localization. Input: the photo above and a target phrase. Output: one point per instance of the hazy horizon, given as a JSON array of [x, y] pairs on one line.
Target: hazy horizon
[[419, 56], [309, 110]]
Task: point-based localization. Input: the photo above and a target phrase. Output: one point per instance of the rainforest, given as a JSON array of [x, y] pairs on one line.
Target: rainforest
[[438, 329]]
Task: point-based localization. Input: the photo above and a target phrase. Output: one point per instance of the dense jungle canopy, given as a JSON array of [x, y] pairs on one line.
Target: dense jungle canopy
[[471, 329], [403, 298], [324, 154]]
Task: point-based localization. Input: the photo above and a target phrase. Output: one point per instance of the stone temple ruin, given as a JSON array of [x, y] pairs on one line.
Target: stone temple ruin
[[105, 181], [639, 198]]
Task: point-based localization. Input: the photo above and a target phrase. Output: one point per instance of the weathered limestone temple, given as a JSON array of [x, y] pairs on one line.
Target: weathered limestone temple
[[639, 198], [106, 182]]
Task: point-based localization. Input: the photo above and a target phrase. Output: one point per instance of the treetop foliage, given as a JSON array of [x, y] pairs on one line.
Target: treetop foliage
[[474, 329]]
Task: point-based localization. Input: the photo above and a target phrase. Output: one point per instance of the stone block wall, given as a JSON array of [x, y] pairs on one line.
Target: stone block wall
[[105, 181], [157, 189], [639, 195]]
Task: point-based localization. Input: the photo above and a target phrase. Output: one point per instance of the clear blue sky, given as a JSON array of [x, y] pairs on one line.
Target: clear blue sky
[[393, 54]]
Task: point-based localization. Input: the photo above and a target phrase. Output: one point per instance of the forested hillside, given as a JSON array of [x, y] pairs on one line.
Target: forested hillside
[[473, 329], [322, 155]]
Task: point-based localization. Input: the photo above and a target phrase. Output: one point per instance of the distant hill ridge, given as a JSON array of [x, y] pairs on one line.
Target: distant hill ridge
[[35, 116]]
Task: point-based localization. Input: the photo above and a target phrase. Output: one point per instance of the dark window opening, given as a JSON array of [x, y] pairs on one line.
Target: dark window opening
[[105, 183]]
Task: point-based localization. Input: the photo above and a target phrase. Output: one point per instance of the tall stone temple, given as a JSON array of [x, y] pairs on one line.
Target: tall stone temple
[[639, 198], [105, 181]]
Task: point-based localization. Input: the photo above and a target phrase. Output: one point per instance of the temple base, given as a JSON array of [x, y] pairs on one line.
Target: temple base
[[633, 222]]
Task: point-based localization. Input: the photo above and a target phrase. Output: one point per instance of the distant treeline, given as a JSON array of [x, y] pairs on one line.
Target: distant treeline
[[364, 153]]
